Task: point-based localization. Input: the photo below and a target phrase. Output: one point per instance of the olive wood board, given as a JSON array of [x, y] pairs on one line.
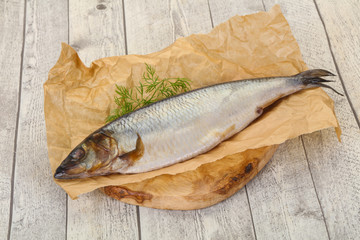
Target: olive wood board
[[207, 185]]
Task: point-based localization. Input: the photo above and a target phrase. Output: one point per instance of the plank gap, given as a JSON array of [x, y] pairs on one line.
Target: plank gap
[[262, 1], [251, 215], [67, 212], [67, 196], [316, 192], [126, 53], [211, 18], [17, 127], [125, 38], [138, 221], [68, 40], [336, 65]]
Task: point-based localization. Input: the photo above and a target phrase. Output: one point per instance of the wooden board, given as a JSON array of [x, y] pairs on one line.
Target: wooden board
[[39, 205], [96, 31], [205, 186], [11, 27], [341, 21], [333, 165]]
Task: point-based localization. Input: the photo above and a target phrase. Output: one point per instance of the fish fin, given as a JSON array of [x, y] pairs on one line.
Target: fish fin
[[136, 154], [312, 78]]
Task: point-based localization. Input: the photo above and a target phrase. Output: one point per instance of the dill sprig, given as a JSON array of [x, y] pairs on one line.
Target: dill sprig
[[150, 90]]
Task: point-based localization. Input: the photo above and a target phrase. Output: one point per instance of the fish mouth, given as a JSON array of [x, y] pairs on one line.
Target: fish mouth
[[69, 173], [63, 173], [60, 173]]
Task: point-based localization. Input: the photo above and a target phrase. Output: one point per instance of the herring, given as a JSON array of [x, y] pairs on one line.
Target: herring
[[180, 127]]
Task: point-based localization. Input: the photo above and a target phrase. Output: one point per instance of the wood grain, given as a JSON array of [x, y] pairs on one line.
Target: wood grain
[[341, 19], [222, 10], [96, 216], [154, 25], [11, 42], [39, 205], [283, 198], [334, 166], [96, 31]]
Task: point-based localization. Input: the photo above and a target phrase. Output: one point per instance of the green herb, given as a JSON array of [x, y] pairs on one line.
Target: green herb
[[150, 90]]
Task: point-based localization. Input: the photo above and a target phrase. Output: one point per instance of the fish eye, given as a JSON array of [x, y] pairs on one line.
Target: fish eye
[[77, 154]]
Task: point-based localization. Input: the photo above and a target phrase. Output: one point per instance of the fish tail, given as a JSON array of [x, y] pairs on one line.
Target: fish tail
[[312, 78]]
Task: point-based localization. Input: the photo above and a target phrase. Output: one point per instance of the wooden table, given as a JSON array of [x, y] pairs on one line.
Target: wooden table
[[309, 190]]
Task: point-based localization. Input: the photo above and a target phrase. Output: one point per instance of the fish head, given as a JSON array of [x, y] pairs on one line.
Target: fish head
[[92, 157]]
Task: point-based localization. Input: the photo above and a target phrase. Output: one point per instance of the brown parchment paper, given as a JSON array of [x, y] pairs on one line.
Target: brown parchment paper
[[78, 98]]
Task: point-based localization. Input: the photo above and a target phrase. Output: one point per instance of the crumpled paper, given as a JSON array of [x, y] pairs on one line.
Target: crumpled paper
[[78, 98]]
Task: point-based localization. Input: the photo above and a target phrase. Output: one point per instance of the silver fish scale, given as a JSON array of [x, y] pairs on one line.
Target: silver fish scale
[[181, 127]]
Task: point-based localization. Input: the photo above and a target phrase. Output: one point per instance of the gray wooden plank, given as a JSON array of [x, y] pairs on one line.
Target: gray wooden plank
[[223, 10], [229, 219], [11, 42], [154, 25], [151, 27], [282, 197], [96, 31], [341, 20], [334, 166], [97, 216], [39, 205]]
